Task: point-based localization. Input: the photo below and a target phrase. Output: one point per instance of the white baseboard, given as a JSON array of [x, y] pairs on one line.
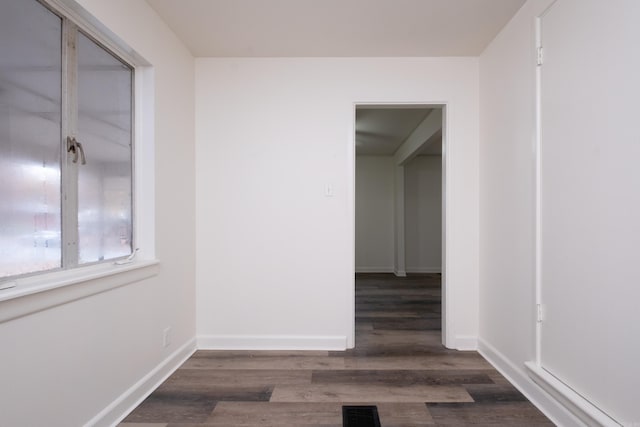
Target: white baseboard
[[582, 408], [465, 343], [399, 273], [424, 269], [374, 269], [517, 376], [271, 342], [130, 399]]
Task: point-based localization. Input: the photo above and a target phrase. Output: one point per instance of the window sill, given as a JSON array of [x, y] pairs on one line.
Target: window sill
[[37, 293]]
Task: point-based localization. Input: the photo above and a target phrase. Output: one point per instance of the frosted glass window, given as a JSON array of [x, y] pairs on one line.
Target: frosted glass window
[[30, 135], [104, 130], [66, 138]]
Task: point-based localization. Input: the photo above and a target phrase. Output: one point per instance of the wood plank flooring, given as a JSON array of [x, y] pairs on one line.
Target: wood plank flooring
[[398, 364]]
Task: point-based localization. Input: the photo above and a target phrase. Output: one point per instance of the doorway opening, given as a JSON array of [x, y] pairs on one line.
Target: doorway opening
[[400, 206]]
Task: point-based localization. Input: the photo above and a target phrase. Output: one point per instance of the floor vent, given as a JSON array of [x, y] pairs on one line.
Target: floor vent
[[360, 416]]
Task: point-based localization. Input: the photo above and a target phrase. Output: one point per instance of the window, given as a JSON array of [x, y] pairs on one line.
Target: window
[[66, 126]]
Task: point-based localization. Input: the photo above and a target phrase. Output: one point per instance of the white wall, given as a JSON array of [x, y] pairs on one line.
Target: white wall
[[374, 214], [275, 257], [423, 214], [507, 204], [590, 203], [64, 365], [507, 187], [399, 267]]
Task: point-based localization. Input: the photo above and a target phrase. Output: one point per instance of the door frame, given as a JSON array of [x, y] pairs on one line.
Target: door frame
[[447, 300]]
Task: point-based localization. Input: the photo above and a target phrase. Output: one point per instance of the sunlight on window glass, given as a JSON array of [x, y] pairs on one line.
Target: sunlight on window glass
[[104, 128], [30, 99]]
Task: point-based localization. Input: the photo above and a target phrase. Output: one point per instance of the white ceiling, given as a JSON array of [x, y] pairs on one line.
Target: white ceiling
[[339, 28], [381, 130], [343, 28]]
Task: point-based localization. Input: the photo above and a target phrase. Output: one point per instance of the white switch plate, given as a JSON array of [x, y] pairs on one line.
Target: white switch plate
[[328, 190]]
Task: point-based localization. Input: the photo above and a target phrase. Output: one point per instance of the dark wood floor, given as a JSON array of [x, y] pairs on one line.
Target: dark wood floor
[[398, 365]]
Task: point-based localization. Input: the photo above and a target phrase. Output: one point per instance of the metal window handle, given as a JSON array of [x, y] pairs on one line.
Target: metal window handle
[[83, 159], [75, 147]]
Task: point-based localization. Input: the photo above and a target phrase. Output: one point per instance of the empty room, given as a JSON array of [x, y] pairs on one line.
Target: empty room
[[184, 239]]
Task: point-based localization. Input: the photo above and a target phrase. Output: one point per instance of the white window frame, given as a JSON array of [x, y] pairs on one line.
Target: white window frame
[[70, 176], [20, 296]]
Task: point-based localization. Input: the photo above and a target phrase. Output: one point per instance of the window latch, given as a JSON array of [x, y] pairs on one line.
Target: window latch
[[129, 259], [75, 147]]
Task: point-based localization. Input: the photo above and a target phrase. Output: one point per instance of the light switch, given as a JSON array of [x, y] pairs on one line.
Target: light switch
[[328, 190]]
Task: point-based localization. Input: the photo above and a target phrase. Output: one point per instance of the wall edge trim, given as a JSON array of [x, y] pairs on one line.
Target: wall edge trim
[[374, 269], [579, 406], [550, 407], [272, 342], [119, 408], [466, 343], [419, 270]]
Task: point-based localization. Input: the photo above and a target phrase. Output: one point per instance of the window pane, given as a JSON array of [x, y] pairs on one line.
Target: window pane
[[30, 115], [104, 130]]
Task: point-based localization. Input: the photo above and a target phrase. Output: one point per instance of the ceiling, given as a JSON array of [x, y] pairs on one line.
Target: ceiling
[[343, 28], [336, 28], [381, 130]]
